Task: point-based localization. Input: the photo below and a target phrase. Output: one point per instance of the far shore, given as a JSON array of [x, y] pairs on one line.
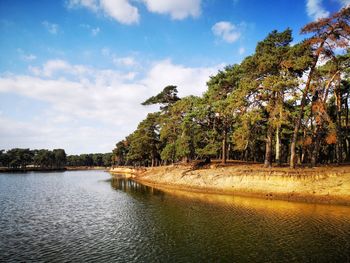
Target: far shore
[[31, 169], [326, 184], [49, 169], [83, 168]]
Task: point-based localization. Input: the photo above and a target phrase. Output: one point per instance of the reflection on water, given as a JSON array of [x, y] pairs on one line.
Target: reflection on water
[[233, 228], [131, 186], [85, 217]]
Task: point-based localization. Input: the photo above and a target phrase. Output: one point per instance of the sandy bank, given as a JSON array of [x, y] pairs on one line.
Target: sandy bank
[[329, 185], [84, 168]]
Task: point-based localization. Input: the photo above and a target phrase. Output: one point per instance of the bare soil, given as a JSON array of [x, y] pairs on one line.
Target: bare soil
[[325, 184]]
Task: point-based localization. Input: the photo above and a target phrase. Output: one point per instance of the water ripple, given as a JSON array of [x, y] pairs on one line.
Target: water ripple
[[83, 217]]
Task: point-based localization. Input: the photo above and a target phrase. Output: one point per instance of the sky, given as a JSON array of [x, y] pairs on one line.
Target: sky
[[74, 72]]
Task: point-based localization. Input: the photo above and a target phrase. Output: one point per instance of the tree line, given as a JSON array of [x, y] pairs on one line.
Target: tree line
[[22, 158], [286, 103], [47, 159], [92, 159]]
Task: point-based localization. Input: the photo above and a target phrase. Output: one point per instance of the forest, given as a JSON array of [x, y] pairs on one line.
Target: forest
[[18, 158], [287, 103], [22, 158], [92, 159]]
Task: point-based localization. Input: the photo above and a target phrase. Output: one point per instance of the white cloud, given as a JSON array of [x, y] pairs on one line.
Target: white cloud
[[127, 61], [227, 31], [29, 57], [95, 31], [26, 57], [178, 9], [345, 3], [99, 111], [124, 61], [52, 135], [105, 51], [315, 9], [190, 81], [50, 67], [126, 13], [86, 104], [241, 50], [90, 4], [120, 10], [52, 28]]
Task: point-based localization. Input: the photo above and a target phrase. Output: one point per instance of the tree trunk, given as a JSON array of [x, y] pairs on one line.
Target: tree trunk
[[316, 147], [152, 162], [278, 146], [228, 151], [339, 150], [299, 118], [224, 146], [347, 150], [268, 149]]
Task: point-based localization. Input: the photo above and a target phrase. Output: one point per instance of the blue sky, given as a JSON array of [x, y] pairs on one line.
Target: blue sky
[[74, 72]]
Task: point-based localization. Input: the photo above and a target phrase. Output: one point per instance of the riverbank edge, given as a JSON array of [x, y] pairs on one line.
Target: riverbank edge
[[30, 169], [40, 169], [86, 168], [322, 185]]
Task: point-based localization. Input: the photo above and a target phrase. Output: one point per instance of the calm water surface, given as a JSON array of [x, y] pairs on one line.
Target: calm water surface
[[87, 217]]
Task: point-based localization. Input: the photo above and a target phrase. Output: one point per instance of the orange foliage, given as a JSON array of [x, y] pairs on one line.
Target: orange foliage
[[331, 138], [315, 107], [307, 141], [318, 120], [287, 64]]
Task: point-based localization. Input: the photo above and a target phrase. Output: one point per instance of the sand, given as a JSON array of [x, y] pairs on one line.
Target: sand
[[327, 184]]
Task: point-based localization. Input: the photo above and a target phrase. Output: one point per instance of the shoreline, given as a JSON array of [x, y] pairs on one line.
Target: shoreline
[[85, 168], [323, 185], [30, 169], [41, 169]]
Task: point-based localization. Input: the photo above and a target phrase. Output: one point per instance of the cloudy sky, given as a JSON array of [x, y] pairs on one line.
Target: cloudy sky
[[74, 72]]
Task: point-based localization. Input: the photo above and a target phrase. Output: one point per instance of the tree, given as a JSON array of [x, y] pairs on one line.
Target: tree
[[19, 158], [144, 142], [107, 159], [268, 75], [4, 159], [328, 34], [256, 110], [166, 97], [60, 158], [179, 130], [220, 87], [120, 152]]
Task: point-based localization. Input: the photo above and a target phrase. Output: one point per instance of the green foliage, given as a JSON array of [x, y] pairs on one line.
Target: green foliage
[[168, 153], [144, 142], [22, 158], [19, 158], [166, 97], [92, 159], [250, 107]]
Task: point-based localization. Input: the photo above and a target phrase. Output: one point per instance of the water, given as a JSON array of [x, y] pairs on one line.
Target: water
[[84, 216]]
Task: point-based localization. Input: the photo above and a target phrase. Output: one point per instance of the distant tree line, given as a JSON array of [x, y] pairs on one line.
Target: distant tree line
[[22, 158], [286, 103], [93, 159], [47, 159]]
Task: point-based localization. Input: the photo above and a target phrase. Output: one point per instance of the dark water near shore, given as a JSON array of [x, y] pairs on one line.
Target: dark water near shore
[[83, 216]]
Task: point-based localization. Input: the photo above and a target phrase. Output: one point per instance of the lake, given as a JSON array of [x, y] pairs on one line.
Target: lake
[[86, 216]]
